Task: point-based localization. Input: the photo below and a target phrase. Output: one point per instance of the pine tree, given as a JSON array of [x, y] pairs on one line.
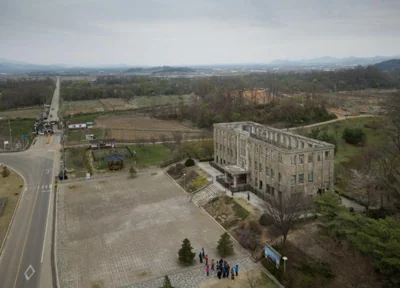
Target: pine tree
[[167, 283], [186, 255], [225, 245]]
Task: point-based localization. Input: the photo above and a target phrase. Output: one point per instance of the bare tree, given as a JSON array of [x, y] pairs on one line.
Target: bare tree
[[177, 136], [389, 158], [153, 140], [284, 208], [366, 178], [163, 139]]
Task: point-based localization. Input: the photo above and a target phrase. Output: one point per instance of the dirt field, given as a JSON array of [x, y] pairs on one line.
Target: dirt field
[[31, 113], [84, 106], [126, 127], [112, 104], [123, 231], [8, 187], [146, 101]]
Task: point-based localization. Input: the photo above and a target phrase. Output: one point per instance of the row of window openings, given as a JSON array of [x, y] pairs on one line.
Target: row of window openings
[[271, 172], [301, 159]]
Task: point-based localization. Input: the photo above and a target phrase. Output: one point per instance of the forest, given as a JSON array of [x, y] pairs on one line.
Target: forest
[[19, 93]]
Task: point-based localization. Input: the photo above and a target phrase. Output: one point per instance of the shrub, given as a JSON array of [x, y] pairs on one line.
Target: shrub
[[354, 136], [249, 235], [132, 172], [265, 220], [318, 268], [167, 283], [225, 245], [189, 162], [5, 172], [186, 255]]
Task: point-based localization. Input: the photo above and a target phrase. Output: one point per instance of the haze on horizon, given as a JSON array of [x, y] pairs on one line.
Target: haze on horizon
[[188, 32]]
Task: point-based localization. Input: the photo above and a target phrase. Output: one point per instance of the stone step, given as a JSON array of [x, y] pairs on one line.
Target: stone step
[[206, 195]]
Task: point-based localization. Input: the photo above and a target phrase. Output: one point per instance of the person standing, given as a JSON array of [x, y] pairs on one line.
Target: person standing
[[212, 265], [206, 259], [236, 269], [202, 250], [208, 270], [200, 257], [232, 274], [227, 270], [219, 273]]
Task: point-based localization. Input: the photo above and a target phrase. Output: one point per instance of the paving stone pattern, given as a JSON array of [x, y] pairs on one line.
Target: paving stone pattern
[[204, 196], [194, 277], [125, 231]]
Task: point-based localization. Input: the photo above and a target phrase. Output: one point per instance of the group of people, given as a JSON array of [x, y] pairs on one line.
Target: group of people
[[222, 267]]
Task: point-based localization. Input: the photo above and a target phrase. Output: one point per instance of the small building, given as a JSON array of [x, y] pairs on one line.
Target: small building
[[115, 161], [102, 143], [77, 126]]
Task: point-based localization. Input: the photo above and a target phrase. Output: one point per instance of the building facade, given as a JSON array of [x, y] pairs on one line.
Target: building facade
[[272, 161]]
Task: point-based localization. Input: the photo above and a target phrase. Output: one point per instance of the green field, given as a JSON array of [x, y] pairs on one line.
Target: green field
[[76, 161], [151, 155], [18, 128]]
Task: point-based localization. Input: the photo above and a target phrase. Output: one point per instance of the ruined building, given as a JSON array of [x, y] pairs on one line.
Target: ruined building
[[270, 161]]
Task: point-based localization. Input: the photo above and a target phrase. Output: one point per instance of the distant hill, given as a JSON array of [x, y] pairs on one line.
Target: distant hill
[[392, 65], [160, 70]]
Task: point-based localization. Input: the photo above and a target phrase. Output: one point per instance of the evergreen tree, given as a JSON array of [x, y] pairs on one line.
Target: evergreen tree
[[225, 245], [167, 283], [186, 255]]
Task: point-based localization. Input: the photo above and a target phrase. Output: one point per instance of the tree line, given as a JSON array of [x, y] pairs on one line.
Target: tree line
[[17, 93]]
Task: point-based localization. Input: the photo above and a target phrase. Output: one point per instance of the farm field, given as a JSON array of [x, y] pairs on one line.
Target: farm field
[[127, 127], [146, 101], [369, 101], [84, 107], [111, 104], [30, 113]]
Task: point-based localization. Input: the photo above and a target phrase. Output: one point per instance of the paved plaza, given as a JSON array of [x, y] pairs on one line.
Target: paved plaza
[[123, 232]]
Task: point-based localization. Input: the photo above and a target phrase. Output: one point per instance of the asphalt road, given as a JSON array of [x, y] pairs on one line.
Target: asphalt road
[[55, 102], [23, 261]]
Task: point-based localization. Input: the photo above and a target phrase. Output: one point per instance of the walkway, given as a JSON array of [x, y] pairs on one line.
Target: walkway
[[328, 122], [193, 278]]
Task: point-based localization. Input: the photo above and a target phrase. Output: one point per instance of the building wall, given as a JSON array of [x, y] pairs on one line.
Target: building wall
[[302, 170]]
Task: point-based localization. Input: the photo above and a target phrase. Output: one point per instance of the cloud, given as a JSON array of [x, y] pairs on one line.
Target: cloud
[[157, 32]]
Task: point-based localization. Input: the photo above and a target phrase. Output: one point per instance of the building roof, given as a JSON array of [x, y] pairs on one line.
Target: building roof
[[98, 141], [114, 157], [280, 138]]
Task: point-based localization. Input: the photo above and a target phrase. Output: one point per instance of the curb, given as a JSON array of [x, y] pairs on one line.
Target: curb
[[15, 210]]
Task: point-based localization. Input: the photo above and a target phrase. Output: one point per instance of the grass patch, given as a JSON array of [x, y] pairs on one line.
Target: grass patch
[[30, 113], [150, 155], [77, 162], [10, 187], [18, 127], [345, 151], [226, 211]]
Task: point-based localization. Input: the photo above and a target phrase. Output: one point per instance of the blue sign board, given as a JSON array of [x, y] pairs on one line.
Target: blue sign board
[[25, 137], [272, 255]]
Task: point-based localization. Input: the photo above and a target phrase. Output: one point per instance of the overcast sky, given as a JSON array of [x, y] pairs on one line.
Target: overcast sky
[[187, 32]]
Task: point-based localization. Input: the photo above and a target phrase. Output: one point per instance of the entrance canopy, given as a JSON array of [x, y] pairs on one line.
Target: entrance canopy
[[235, 169]]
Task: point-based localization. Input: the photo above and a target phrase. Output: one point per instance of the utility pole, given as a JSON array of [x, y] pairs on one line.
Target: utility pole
[[9, 127], [63, 150]]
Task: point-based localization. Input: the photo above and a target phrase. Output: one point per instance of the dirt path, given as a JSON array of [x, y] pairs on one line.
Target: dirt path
[[340, 118]]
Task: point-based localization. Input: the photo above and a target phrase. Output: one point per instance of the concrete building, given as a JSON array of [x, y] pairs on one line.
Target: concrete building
[[270, 161]]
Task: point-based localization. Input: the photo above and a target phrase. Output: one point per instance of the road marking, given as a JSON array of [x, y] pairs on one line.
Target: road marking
[[48, 210], [26, 237], [29, 273]]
